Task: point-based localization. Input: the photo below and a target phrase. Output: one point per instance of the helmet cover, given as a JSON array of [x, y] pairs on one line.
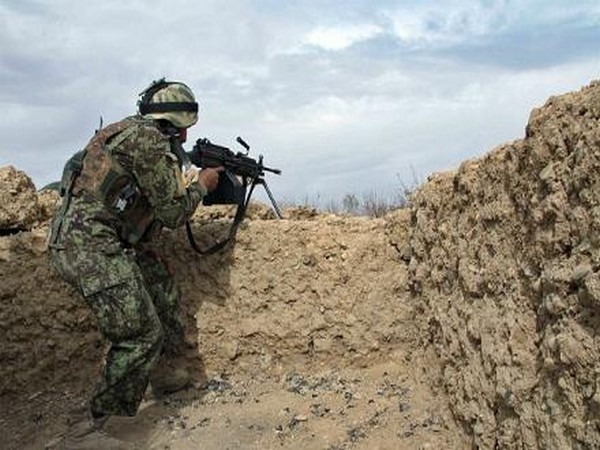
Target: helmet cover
[[169, 100]]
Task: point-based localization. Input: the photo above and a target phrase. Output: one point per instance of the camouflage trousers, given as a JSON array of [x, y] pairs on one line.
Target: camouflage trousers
[[136, 305]]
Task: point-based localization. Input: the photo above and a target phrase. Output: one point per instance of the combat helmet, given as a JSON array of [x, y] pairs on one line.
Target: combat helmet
[[169, 100]]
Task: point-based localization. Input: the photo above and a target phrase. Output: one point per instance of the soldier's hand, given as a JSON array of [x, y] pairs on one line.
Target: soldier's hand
[[209, 177], [190, 176]]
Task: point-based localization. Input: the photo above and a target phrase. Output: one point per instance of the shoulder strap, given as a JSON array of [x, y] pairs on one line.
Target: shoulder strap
[[71, 171], [237, 220]]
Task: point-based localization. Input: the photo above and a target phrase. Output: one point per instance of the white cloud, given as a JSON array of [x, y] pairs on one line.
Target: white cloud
[[341, 37], [291, 79], [445, 23]]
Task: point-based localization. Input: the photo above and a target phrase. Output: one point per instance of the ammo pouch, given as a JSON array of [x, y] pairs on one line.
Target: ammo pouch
[[124, 199]]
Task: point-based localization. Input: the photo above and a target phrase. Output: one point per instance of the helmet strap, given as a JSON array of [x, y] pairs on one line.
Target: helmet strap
[[147, 108], [158, 85]]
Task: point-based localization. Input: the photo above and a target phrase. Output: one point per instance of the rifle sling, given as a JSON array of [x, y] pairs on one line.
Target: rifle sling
[[219, 245]]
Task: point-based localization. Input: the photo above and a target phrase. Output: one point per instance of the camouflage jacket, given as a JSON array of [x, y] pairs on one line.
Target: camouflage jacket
[[144, 152]]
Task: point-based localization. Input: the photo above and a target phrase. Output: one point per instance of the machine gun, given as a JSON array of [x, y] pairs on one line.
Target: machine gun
[[241, 172], [236, 183]]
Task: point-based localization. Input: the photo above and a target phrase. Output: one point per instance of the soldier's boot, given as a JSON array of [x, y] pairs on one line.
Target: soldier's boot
[[169, 377], [91, 424], [87, 433]]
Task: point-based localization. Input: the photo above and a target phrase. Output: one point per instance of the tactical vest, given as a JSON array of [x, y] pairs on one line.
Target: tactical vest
[[101, 176]]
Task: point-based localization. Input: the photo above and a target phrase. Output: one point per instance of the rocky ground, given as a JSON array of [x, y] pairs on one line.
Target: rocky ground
[[468, 320]]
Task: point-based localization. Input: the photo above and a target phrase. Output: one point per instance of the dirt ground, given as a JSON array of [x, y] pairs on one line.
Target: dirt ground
[[468, 320]]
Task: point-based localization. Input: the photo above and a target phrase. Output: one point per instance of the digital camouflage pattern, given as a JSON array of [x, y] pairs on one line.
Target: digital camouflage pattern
[[128, 287]]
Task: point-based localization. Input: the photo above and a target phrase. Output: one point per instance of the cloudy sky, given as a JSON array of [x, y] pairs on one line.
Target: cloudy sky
[[349, 96]]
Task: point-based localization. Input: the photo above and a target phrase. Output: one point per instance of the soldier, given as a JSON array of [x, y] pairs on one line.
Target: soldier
[[117, 195]]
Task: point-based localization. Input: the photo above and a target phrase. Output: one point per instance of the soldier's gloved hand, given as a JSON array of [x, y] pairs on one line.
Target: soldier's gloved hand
[[209, 177]]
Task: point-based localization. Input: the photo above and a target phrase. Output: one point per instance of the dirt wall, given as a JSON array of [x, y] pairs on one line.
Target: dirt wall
[[299, 293], [504, 258]]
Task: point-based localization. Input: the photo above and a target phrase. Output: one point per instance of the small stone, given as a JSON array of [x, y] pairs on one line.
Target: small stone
[[580, 272]]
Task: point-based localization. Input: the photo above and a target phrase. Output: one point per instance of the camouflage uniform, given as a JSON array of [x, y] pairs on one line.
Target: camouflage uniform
[[128, 288]]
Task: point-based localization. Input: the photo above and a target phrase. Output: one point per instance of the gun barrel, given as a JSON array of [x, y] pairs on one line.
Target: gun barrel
[[275, 171]]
